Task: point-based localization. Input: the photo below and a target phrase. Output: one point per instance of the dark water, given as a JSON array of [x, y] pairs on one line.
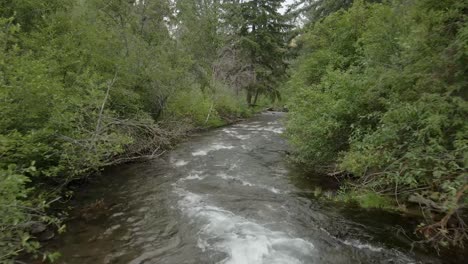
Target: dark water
[[225, 196]]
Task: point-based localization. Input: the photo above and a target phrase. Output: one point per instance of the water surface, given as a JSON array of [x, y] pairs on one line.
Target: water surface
[[224, 196]]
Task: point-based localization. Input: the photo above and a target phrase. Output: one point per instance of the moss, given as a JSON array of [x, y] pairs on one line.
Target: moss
[[374, 200], [366, 199]]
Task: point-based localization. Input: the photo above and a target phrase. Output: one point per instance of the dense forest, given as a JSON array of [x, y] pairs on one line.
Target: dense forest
[[376, 92]]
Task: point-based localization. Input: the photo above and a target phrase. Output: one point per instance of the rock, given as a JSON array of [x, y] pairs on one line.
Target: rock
[[46, 235], [37, 227]]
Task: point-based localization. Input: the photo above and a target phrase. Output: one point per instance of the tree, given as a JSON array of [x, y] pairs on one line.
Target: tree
[[257, 30]]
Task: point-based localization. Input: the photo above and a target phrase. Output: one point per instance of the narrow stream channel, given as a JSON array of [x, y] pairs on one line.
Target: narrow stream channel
[[224, 196]]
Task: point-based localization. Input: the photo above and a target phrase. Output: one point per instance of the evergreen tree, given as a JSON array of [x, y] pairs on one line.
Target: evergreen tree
[[258, 30]]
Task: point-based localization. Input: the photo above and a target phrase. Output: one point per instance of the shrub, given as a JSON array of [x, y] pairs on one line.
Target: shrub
[[383, 97]]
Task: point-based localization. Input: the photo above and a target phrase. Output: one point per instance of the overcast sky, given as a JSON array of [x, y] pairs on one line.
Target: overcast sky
[[286, 3]]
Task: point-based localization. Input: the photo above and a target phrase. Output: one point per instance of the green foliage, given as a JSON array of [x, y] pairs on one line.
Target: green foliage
[[86, 84], [380, 92], [194, 106], [12, 204], [205, 109], [228, 105], [19, 213], [366, 199]]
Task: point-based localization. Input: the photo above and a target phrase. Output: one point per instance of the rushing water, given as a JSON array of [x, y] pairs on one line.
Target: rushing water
[[225, 196]]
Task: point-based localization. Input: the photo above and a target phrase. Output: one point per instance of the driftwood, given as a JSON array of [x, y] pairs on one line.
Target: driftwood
[[447, 231], [421, 200]]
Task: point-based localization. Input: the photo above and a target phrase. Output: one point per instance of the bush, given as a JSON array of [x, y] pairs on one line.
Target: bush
[[195, 106], [210, 108], [383, 99], [229, 105]]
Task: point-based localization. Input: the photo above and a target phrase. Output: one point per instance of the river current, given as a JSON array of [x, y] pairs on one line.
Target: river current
[[224, 196]]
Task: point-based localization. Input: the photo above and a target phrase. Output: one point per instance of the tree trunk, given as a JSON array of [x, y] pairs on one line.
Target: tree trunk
[[256, 96], [249, 97]]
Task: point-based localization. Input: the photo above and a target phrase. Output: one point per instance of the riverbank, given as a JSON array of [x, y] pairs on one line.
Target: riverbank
[[385, 223], [384, 114], [50, 220]]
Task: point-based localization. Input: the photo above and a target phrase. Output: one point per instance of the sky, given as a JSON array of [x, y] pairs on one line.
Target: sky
[[286, 3]]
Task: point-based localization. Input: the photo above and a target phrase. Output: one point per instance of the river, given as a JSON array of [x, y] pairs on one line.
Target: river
[[225, 196]]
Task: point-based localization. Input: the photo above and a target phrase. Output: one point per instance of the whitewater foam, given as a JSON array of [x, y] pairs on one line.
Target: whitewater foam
[[243, 240], [228, 177], [180, 163], [358, 244], [214, 147], [235, 134], [194, 175]]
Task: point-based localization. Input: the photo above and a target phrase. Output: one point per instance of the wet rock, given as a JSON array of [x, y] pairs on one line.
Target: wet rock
[[41, 231], [46, 235], [37, 228]]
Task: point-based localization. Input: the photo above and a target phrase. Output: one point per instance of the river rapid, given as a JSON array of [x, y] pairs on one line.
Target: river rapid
[[225, 196]]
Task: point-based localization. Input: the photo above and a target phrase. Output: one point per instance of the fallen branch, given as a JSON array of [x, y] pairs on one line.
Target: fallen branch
[[442, 232]]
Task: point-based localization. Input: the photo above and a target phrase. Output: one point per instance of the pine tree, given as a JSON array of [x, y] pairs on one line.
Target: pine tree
[[258, 29]]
